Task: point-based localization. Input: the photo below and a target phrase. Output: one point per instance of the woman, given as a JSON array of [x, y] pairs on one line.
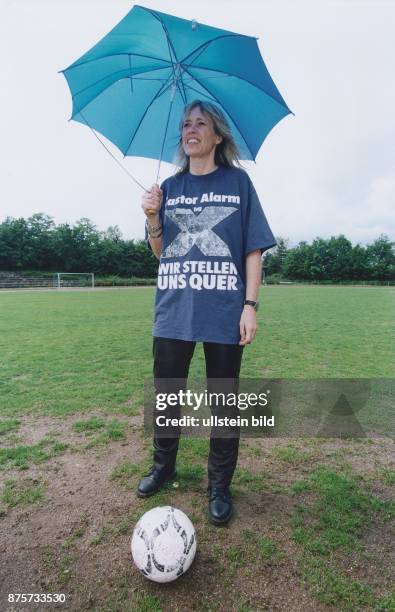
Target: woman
[[207, 227]]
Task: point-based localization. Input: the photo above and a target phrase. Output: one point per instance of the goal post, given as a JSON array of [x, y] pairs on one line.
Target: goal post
[[63, 280]]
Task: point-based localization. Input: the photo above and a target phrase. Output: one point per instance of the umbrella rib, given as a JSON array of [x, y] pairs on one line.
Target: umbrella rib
[[144, 114], [164, 138], [221, 104], [149, 79], [105, 89], [219, 76], [204, 46], [237, 77], [170, 47], [199, 92], [96, 59], [111, 73], [130, 73], [208, 42], [169, 43]]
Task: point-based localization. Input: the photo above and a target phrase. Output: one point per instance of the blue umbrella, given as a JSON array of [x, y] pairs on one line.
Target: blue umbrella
[[133, 84]]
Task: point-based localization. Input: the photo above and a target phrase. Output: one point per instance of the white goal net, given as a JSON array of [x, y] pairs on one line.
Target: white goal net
[[66, 280]]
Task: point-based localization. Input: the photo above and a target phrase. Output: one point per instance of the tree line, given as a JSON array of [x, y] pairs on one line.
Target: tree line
[[334, 259], [37, 243]]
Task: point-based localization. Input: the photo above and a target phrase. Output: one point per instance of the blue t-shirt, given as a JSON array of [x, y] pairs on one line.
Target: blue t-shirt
[[210, 223]]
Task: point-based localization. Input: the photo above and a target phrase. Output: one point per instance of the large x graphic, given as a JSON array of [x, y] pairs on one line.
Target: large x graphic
[[197, 230]]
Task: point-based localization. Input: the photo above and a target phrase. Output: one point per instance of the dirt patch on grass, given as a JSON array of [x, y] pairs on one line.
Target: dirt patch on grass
[[75, 540]]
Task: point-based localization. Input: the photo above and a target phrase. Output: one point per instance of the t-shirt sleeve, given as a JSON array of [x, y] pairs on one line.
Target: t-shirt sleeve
[[163, 187], [256, 230]]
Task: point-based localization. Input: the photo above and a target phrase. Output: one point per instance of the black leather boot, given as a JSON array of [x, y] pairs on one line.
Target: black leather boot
[[153, 481], [220, 506]]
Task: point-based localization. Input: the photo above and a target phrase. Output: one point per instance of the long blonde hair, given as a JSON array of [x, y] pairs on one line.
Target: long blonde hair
[[226, 152]]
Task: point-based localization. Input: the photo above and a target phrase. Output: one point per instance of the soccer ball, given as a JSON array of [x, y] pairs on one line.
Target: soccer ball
[[163, 544]]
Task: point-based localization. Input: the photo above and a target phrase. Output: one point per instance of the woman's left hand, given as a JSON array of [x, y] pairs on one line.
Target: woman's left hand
[[248, 325]]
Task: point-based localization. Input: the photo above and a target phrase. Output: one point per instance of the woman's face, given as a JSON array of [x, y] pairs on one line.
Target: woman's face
[[198, 136]]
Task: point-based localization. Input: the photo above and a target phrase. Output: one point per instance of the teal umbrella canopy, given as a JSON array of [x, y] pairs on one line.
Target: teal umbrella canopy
[[132, 86]]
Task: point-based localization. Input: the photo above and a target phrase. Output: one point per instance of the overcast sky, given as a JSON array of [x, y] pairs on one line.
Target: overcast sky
[[329, 169]]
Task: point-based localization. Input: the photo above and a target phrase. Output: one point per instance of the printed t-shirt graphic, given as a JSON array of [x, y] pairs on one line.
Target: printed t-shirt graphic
[[196, 229], [210, 223]]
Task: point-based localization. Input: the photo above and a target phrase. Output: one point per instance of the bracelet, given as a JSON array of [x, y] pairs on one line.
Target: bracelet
[[153, 228], [155, 234]]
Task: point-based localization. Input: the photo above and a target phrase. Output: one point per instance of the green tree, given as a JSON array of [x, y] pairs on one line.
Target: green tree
[[322, 260], [37, 243], [77, 247], [274, 261], [340, 258], [112, 233], [381, 259], [40, 228], [138, 260], [359, 265], [15, 244], [298, 261]]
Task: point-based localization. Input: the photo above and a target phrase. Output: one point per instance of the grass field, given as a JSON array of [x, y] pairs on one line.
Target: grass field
[[62, 353], [312, 516]]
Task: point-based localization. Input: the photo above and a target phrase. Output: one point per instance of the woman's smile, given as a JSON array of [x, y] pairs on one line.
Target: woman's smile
[[198, 136]]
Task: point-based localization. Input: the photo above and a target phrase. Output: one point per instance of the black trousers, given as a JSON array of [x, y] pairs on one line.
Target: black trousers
[[171, 366]]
